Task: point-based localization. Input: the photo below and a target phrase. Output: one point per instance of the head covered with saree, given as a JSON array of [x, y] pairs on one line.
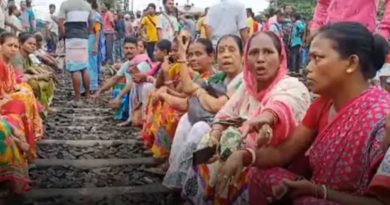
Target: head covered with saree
[[140, 63], [267, 88], [269, 77]]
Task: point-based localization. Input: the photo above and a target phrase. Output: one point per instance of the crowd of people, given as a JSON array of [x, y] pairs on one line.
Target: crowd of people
[[216, 100]]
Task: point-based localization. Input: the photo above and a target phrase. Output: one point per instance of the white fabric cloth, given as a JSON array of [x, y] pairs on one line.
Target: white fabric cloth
[[139, 95], [226, 17], [186, 140], [52, 25], [384, 71], [16, 22], [3, 13], [168, 25]]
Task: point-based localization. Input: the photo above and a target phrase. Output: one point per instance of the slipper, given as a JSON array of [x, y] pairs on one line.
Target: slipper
[[148, 153], [156, 171]]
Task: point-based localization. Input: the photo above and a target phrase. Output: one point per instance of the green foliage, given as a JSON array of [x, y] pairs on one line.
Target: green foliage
[[115, 4], [303, 7], [109, 3]]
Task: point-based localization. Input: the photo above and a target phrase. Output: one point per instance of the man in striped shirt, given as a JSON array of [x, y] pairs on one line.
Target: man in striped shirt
[[75, 16]]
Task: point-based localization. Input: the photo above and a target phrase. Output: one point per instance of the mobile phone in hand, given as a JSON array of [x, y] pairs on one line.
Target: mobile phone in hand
[[203, 155]]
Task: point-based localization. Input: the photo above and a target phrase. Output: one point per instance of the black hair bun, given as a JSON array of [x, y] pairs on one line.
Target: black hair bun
[[381, 49]]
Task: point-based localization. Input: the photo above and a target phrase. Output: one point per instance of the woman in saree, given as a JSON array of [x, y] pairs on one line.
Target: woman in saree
[[20, 123], [96, 47], [195, 124], [43, 56], [268, 94], [17, 79], [338, 144], [38, 76], [167, 104], [380, 183]]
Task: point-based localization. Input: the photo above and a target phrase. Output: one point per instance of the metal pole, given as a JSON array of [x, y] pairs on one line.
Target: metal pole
[[132, 5]]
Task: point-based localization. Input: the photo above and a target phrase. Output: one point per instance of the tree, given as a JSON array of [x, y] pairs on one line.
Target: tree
[[115, 4], [303, 7]]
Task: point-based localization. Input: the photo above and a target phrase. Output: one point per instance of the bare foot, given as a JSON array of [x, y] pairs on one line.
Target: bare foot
[[124, 124], [160, 170], [156, 171]]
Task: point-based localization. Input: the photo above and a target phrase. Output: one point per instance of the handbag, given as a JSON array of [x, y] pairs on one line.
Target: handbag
[[196, 112]]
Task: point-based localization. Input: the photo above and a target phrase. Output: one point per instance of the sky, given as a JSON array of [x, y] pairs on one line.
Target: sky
[[41, 6]]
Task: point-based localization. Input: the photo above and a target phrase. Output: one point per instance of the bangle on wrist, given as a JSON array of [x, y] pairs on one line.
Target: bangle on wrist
[[181, 61], [325, 192], [253, 154], [275, 117]]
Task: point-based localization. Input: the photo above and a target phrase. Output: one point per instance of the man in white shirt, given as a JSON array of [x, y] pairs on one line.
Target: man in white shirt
[[226, 17], [167, 24], [3, 11], [51, 30]]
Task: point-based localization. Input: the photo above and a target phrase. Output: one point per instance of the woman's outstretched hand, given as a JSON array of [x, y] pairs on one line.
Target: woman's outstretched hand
[[262, 128], [300, 188]]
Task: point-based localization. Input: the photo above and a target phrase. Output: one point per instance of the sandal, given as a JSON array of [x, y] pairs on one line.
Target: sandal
[[156, 171]]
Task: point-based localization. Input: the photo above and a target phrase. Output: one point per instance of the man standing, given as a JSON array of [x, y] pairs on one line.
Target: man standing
[[287, 23], [149, 25], [226, 17], [109, 25], [51, 30], [167, 24], [28, 17], [120, 30], [296, 43], [277, 26], [77, 15]]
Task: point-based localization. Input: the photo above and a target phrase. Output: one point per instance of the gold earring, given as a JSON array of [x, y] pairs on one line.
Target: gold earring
[[349, 71]]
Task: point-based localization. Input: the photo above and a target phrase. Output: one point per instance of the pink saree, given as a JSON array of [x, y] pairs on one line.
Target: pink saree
[[344, 156], [285, 96]]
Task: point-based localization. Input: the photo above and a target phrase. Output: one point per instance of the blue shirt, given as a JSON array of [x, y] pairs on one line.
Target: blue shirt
[[297, 33], [120, 28], [28, 19]]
